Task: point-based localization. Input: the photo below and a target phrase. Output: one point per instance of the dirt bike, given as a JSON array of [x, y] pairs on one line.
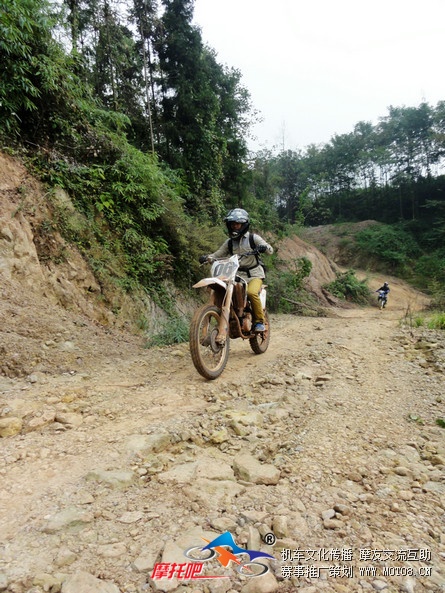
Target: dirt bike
[[227, 314], [382, 299]]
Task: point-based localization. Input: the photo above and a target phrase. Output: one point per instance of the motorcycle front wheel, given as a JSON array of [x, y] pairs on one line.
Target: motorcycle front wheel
[[260, 342], [208, 356]]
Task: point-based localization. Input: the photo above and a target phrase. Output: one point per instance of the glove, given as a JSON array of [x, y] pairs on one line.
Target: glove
[[203, 259], [261, 248]]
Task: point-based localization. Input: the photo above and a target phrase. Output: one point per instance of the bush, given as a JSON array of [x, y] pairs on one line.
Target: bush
[[286, 284], [347, 286], [390, 244], [430, 271]]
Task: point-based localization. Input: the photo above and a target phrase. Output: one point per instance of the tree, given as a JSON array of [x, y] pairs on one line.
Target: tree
[[264, 182], [408, 134], [40, 91], [292, 186], [117, 70], [144, 14], [439, 129], [25, 36], [201, 112]]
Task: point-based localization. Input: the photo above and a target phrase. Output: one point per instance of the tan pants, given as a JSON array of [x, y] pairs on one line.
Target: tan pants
[[253, 290]]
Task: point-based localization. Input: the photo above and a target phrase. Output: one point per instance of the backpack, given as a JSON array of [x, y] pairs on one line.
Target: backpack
[[252, 247]]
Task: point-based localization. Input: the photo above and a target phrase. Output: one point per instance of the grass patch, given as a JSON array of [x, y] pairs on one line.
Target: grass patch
[[430, 321], [418, 322], [174, 331], [437, 321]]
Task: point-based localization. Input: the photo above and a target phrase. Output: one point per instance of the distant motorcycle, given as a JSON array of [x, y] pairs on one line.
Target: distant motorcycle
[[227, 314], [382, 299]]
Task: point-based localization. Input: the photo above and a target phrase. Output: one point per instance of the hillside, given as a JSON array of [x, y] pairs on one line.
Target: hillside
[[50, 293], [337, 243], [116, 458]]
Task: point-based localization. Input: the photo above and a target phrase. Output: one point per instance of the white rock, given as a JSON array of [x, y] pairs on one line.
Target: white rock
[[265, 583], [145, 444], [116, 550], [145, 562], [68, 518], [117, 479], [131, 517], [248, 468], [84, 582], [10, 426]]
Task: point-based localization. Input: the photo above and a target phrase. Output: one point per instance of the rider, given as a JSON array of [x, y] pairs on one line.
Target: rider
[[237, 222], [384, 289]]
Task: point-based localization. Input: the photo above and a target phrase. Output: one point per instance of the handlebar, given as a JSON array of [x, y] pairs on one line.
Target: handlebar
[[210, 260]]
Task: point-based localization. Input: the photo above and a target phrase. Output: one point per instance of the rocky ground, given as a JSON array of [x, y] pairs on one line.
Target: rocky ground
[[116, 458]]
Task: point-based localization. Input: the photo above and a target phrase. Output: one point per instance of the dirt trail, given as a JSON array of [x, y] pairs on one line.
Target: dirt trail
[[118, 460]]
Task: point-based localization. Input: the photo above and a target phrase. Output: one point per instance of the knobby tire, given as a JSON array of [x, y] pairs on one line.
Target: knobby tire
[[260, 342], [208, 357]]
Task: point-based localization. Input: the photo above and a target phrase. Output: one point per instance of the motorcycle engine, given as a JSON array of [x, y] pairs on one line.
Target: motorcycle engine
[[247, 323]]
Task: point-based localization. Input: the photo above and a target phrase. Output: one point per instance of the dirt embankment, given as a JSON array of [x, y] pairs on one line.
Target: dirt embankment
[[115, 458], [47, 287], [337, 242]]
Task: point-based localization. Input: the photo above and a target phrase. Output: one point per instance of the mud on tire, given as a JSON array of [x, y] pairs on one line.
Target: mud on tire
[[260, 342], [208, 356]]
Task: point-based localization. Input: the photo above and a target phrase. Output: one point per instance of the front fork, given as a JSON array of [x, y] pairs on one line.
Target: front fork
[[223, 328]]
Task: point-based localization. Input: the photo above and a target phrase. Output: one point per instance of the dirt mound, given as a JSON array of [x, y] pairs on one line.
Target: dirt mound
[[337, 241], [323, 269], [53, 311], [34, 258]]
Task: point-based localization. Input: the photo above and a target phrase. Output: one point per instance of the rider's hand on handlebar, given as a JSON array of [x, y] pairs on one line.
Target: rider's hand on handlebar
[[203, 259], [261, 248]]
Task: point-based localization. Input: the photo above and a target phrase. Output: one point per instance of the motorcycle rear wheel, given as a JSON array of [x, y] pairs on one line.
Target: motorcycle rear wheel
[[260, 342], [208, 356]]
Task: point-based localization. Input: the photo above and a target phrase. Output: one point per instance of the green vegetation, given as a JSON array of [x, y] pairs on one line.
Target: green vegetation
[[429, 273], [174, 331], [417, 321], [437, 321], [417, 419], [433, 320], [133, 117], [80, 123], [348, 287], [389, 244], [285, 287]]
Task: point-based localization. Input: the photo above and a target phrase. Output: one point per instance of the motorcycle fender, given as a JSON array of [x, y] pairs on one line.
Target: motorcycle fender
[[210, 282]]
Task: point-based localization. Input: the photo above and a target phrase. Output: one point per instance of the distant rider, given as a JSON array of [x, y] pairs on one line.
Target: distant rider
[[242, 241], [384, 289]]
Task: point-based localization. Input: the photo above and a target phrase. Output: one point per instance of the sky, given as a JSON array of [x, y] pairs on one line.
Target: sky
[[315, 68]]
